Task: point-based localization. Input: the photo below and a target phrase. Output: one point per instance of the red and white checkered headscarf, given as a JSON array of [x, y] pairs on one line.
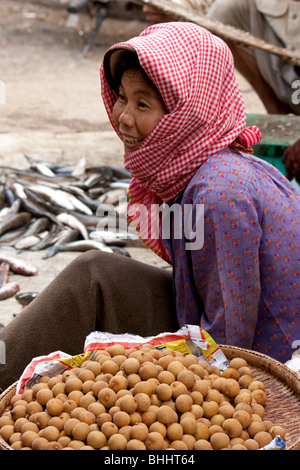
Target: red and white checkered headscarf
[[194, 72]]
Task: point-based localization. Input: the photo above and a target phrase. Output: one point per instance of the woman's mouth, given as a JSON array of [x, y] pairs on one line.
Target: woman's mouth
[[131, 143]]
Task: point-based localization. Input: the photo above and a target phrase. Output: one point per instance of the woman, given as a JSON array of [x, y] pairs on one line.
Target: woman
[[225, 220]]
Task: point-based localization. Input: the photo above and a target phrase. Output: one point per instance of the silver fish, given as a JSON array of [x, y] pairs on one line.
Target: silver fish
[[26, 242], [14, 221], [80, 245], [4, 270], [8, 290], [19, 266], [71, 221]]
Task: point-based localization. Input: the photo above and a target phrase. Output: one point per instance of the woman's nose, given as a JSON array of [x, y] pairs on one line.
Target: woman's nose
[[126, 118]]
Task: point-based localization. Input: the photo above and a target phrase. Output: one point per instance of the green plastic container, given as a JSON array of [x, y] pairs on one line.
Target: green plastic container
[[278, 133]]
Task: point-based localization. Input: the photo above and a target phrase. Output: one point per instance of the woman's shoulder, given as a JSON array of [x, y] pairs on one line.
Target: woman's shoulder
[[225, 171]]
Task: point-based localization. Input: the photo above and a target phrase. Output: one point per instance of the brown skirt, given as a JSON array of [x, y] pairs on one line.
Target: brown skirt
[[96, 291]]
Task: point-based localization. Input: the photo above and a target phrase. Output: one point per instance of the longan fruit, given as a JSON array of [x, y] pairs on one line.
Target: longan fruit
[[178, 388], [143, 402], [166, 377], [73, 383], [54, 445], [263, 438], [70, 425], [87, 417], [117, 383], [232, 427], [214, 395], [251, 444], [231, 373], [218, 419], [210, 408], [96, 439], [238, 362], [139, 431], [178, 445], [40, 443], [255, 427], [219, 441], [121, 418], [164, 361], [94, 366], [58, 389], [76, 396], [44, 395], [115, 350], [166, 415], [259, 396], [87, 386], [135, 418], [154, 441], [80, 431], [186, 377], [132, 379], [148, 417], [198, 370], [202, 444], [108, 429], [164, 391], [243, 417], [201, 386], [226, 410], [230, 388], [54, 380], [277, 431], [143, 387], [15, 437], [127, 403], [29, 426], [244, 381], [28, 437], [110, 367], [174, 432], [27, 395], [131, 365], [202, 432], [19, 411], [54, 407], [258, 409], [75, 445], [244, 396], [135, 444], [6, 419], [107, 397], [256, 385], [148, 370], [184, 403], [189, 425], [158, 427], [117, 442], [245, 370], [7, 431], [85, 375], [96, 408]]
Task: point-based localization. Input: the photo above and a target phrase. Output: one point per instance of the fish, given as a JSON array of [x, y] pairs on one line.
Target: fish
[[25, 298], [19, 266], [37, 226], [9, 290], [48, 239], [4, 270], [26, 242], [14, 221], [79, 245], [72, 221]]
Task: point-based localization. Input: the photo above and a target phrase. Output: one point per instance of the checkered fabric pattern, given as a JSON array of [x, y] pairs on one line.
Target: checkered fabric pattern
[[194, 72]]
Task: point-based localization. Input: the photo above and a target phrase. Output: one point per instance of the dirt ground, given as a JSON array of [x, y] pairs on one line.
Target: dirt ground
[[50, 103]]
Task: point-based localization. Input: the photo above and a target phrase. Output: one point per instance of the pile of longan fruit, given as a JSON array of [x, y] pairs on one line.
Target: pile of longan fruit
[[142, 399]]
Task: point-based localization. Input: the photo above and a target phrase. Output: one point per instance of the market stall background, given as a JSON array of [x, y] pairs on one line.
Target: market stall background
[[51, 108]]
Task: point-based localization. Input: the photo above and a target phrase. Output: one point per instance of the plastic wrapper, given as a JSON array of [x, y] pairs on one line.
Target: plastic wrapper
[[190, 339]]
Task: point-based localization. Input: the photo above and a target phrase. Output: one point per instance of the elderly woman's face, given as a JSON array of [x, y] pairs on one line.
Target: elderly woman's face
[[138, 109]]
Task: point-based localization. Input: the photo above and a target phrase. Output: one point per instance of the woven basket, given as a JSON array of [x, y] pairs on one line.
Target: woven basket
[[282, 387]]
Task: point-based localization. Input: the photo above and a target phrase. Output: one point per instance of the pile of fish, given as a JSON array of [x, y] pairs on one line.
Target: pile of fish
[[64, 207]]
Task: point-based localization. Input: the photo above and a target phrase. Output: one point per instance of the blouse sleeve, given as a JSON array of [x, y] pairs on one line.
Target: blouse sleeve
[[226, 268]]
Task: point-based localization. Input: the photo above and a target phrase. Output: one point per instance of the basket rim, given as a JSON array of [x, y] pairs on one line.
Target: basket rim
[[260, 360]]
